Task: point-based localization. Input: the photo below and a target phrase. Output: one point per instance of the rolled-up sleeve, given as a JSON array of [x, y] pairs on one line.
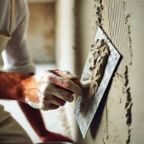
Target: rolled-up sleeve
[[15, 55]]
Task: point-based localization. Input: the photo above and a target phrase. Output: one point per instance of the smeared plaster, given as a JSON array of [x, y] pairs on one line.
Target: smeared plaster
[[130, 43], [127, 23], [99, 8], [128, 104]]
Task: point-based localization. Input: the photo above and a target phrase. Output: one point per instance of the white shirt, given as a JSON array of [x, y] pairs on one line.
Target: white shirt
[[14, 51], [15, 54]]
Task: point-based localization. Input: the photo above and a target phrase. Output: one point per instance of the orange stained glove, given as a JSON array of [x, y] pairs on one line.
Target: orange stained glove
[[51, 91]]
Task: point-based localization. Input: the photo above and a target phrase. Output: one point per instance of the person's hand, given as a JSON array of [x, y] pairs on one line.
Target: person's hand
[[53, 90], [51, 137]]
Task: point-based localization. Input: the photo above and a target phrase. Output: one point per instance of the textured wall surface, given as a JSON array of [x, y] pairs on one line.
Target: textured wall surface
[[41, 32], [119, 119]]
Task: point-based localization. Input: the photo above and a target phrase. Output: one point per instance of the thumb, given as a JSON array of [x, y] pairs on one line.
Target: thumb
[[67, 75]]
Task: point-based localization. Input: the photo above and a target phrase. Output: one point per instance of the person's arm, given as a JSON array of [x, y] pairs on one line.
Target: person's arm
[[16, 86], [11, 87], [16, 59], [37, 123], [35, 119], [41, 95]]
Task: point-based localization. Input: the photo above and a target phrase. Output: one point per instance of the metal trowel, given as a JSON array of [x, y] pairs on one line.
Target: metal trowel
[[100, 65]]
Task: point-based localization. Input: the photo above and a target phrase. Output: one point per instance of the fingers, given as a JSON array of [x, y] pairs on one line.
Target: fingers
[[67, 75], [64, 74], [64, 83], [49, 107], [57, 88], [51, 99], [61, 93], [56, 97], [51, 102]]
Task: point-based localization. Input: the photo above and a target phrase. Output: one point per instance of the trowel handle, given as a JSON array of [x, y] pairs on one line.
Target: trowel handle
[[86, 84]]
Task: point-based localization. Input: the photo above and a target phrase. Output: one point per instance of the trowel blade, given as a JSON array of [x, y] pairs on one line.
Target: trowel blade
[[84, 120]]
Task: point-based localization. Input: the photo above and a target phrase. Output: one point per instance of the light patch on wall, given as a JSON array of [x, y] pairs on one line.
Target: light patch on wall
[[41, 32]]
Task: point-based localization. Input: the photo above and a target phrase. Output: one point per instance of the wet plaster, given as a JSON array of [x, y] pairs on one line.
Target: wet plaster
[[127, 23], [97, 61], [128, 104], [127, 89], [99, 8], [129, 37], [130, 43]]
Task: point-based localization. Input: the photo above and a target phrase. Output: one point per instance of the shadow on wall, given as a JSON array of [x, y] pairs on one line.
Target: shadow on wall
[[94, 127]]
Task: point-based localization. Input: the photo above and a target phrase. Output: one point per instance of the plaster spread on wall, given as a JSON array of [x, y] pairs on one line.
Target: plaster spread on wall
[[127, 23], [99, 7], [128, 104], [130, 43]]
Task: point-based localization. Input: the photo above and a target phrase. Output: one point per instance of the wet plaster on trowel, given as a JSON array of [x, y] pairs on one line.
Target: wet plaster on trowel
[[97, 62], [128, 104]]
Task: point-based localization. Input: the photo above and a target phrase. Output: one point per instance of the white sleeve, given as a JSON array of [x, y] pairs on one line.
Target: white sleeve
[[15, 55]]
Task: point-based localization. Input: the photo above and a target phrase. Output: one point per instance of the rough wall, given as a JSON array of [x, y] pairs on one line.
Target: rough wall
[[41, 32], [119, 119]]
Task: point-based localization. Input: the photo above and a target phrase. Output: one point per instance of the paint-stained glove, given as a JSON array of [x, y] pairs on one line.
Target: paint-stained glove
[[51, 91]]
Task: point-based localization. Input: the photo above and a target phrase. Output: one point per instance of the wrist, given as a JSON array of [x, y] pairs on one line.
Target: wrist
[[30, 85], [16, 92]]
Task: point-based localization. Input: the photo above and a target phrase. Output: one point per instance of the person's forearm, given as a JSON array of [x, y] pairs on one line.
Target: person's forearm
[[35, 119], [10, 86]]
